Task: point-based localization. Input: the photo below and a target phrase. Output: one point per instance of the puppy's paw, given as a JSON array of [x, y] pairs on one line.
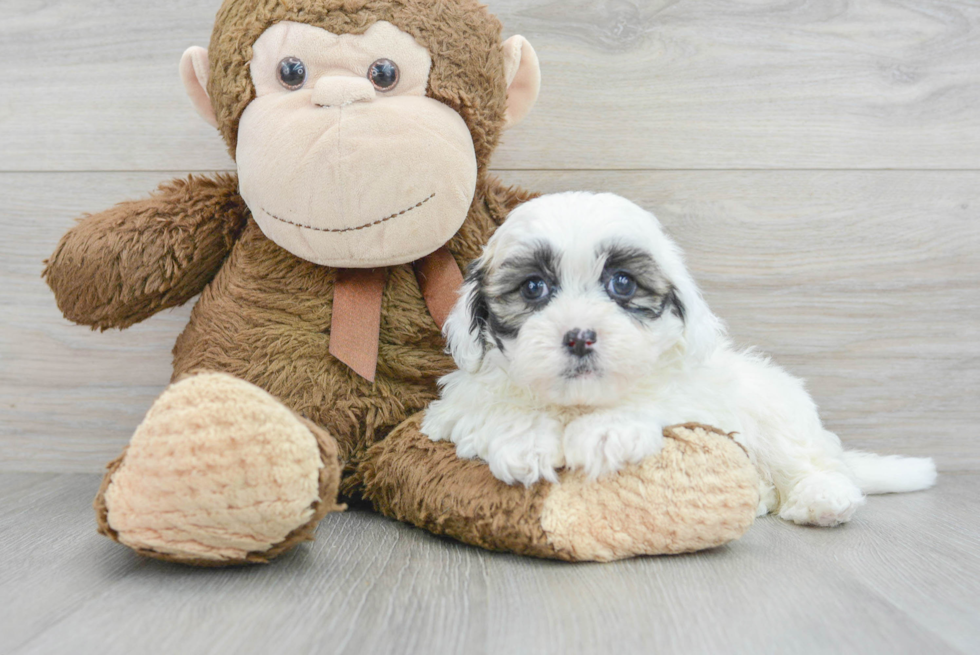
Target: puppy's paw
[[824, 498], [768, 498], [604, 442], [439, 421], [524, 450]]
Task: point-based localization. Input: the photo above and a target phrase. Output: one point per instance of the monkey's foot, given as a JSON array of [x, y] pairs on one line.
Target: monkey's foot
[[219, 472]]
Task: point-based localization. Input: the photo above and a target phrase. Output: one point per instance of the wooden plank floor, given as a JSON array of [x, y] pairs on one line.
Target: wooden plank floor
[[902, 578]]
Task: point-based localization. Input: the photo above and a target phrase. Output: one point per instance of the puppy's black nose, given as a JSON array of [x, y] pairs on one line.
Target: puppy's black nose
[[579, 342]]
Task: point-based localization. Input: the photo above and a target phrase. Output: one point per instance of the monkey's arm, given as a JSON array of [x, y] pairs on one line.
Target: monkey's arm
[[123, 265]]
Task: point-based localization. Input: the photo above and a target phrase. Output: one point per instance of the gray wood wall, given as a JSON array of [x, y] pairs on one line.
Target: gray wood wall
[[819, 161]]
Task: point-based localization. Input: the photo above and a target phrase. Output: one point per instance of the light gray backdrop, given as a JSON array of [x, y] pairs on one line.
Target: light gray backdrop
[[820, 163]]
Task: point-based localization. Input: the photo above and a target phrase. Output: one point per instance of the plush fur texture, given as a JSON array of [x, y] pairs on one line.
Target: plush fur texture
[[264, 315], [535, 394], [700, 492], [265, 318], [240, 478], [121, 266], [469, 79]]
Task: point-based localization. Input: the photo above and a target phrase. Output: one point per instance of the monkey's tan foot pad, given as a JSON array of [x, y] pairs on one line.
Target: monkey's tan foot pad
[[699, 492], [219, 472]]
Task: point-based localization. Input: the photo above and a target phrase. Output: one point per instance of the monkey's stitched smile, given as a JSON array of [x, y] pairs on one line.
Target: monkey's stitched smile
[[350, 229]]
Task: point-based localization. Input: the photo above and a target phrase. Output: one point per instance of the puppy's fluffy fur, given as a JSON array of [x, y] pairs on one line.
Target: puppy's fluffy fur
[[580, 335]]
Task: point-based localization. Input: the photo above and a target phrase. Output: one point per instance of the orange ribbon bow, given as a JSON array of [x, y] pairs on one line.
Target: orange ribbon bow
[[356, 324]]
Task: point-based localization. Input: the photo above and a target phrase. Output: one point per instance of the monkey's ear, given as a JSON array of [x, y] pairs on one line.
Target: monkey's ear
[[194, 71], [523, 75]]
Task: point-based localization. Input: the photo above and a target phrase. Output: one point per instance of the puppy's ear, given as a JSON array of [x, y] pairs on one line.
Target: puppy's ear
[[464, 328], [703, 331]]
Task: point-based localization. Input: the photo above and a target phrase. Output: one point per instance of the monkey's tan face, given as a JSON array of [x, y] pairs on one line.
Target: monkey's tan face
[[342, 158]]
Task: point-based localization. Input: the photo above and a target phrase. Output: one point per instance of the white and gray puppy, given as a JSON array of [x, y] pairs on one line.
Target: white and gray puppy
[[580, 335]]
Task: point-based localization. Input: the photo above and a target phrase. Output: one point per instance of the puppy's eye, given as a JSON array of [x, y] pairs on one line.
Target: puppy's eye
[[621, 286], [383, 74], [535, 289], [291, 73]]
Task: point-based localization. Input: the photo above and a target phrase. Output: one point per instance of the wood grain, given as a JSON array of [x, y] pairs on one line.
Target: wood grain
[[904, 577], [93, 85], [867, 284]]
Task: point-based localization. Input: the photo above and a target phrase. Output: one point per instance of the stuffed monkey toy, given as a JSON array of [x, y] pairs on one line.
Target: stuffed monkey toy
[[362, 132]]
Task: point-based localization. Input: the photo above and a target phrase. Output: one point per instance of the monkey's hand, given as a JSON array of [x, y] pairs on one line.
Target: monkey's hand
[[123, 265]]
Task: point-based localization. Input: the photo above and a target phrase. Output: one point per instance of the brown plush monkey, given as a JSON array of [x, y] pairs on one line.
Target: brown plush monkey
[[362, 131]]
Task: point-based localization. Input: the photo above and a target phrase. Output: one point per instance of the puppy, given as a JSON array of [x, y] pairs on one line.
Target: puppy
[[580, 335]]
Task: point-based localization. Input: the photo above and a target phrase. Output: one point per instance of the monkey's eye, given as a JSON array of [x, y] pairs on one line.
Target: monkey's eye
[[383, 74], [621, 286], [535, 289], [291, 73]]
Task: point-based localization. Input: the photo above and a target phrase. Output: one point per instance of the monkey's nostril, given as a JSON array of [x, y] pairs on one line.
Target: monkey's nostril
[[579, 342]]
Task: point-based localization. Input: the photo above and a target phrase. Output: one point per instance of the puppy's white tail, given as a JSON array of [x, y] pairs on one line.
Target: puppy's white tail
[[884, 474]]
